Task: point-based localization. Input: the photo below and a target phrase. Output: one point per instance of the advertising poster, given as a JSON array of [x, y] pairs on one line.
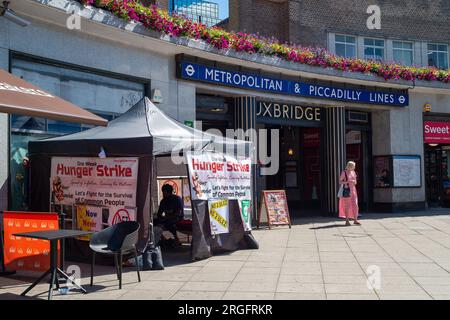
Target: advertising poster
[[102, 182], [26, 253], [186, 193], [89, 218], [274, 208], [407, 172], [174, 182], [180, 188], [219, 176], [219, 216], [245, 208], [436, 132]]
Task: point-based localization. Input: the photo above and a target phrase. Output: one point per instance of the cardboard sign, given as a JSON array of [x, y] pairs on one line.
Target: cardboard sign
[[120, 214], [89, 218], [245, 208], [219, 216], [274, 208], [22, 253]]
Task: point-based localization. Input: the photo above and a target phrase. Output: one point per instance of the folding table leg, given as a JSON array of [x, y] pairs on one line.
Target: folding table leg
[[35, 283], [52, 283], [92, 268]]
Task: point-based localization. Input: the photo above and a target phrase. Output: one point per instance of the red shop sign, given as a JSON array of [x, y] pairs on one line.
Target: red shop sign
[[436, 132]]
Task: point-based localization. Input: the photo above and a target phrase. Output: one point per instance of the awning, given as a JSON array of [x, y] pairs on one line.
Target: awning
[[20, 97]]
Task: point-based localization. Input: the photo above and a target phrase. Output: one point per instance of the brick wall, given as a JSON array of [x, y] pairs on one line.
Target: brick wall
[[268, 18], [308, 21]]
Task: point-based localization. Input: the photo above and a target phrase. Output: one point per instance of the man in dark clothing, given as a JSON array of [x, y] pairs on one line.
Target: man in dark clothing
[[170, 211]]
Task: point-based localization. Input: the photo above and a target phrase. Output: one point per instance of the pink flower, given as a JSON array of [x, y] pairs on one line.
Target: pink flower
[[178, 25]]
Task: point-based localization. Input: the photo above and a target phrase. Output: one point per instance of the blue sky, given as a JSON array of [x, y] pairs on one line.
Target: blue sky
[[223, 8]]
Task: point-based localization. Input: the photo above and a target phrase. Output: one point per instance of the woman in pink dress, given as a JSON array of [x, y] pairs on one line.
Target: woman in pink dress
[[348, 207]]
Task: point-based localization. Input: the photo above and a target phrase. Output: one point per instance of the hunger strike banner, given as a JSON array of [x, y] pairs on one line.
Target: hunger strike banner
[[109, 183], [219, 216], [219, 176]]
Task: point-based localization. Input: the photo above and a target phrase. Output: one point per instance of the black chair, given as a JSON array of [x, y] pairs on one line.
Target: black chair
[[116, 240]]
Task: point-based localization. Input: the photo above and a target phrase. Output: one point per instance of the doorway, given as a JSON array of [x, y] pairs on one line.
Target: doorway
[[437, 182], [299, 169], [358, 150]]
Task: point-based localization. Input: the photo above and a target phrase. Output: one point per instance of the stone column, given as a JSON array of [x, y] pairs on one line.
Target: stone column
[[245, 115], [335, 155], [245, 119]]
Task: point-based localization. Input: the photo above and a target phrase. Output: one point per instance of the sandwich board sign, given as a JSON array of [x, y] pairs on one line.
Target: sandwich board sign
[[274, 209]]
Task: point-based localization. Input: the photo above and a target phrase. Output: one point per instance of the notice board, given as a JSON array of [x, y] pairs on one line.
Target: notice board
[[274, 209]]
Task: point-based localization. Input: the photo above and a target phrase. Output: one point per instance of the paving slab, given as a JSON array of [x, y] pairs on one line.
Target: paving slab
[[316, 259]]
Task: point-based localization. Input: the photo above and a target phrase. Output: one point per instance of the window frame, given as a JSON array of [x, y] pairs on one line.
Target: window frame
[[437, 51], [374, 47], [355, 44], [413, 58]]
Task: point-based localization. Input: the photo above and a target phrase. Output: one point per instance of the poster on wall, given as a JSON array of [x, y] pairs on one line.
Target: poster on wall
[[219, 176], [186, 193], [120, 214], [89, 218], [407, 171], [219, 216], [109, 183], [382, 169], [180, 188]]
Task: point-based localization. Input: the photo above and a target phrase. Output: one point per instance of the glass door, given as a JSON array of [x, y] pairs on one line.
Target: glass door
[[433, 175]]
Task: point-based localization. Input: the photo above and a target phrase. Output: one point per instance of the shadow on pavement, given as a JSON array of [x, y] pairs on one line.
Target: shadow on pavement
[[330, 226], [12, 296]]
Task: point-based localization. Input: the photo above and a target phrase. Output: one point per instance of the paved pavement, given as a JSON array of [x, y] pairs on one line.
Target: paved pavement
[[316, 259]]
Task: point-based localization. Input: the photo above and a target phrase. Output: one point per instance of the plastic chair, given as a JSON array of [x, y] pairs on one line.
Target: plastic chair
[[116, 240]]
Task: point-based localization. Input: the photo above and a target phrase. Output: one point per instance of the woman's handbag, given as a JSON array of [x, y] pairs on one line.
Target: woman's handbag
[[345, 188]]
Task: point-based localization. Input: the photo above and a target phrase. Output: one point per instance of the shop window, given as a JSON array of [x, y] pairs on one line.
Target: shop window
[[102, 95], [438, 55]]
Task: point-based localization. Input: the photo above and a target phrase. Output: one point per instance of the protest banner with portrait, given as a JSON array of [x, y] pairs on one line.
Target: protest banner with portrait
[[219, 176], [97, 182]]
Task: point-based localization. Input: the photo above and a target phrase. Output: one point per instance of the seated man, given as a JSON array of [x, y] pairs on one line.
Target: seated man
[[170, 211]]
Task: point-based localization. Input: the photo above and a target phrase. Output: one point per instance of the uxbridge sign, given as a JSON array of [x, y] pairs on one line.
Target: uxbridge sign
[[204, 73]]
